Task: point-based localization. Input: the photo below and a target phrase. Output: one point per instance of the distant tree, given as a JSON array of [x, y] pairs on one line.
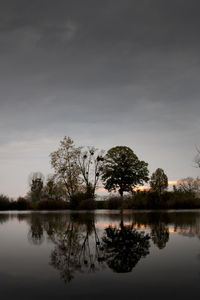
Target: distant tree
[[123, 170], [90, 161], [197, 158], [159, 181], [189, 184], [64, 161], [36, 182], [54, 189], [4, 202]]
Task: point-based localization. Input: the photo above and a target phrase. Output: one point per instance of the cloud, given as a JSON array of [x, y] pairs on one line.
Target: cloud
[[105, 73]]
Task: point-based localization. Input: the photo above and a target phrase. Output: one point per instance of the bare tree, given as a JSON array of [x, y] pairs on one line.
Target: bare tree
[[36, 182], [197, 158], [64, 162], [90, 161], [189, 184]]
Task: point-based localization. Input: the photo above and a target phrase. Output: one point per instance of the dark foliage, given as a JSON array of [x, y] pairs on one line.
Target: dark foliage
[[113, 203], [80, 200], [4, 202], [49, 204], [124, 247]]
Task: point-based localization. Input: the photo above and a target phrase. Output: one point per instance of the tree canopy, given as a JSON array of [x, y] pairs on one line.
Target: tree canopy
[[123, 170], [159, 181], [64, 162]]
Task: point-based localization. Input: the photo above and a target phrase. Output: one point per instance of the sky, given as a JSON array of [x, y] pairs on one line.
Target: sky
[[105, 73]]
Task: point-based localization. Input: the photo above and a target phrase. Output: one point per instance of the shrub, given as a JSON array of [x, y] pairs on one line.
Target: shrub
[[114, 202], [23, 204], [80, 200], [100, 204], [49, 204], [76, 200], [87, 204], [4, 202]]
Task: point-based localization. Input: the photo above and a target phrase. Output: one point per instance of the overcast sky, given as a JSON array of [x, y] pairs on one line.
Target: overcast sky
[[105, 73]]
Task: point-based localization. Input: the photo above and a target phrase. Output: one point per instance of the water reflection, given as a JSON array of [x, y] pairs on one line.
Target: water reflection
[[83, 243], [160, 235], [77, 247], [124, 247], [36, 231]]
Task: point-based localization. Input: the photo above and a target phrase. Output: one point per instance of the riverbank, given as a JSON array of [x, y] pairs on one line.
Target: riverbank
[[139, 200]]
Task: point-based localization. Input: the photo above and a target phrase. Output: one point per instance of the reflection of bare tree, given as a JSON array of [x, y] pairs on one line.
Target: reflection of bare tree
[[3, 218], [124, 247], [77, 248], [160, 235], [36, 232], [65, 255]]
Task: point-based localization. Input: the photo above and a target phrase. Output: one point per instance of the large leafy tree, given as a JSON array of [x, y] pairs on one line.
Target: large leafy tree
[[159, 181], [123, 170]]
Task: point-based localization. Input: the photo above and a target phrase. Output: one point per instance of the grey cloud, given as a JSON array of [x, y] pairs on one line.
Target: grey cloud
[[106, 72]]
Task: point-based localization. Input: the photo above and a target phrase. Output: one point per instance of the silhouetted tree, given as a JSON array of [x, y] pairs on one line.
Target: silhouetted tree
[[65, 164], [189, 184], [197, 158], [123, 170], [36, 182], [90, 161], [159, 181], [54, 189]]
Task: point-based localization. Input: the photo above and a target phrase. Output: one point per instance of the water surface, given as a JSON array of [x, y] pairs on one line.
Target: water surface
[[101, 254]]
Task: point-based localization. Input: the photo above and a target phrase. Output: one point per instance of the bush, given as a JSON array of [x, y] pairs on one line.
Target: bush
[[4, 202], [87, 204], [113, 202], [49, 204], [76, 200], [80, 200], [100, 204], [167, 200], [23, 204]]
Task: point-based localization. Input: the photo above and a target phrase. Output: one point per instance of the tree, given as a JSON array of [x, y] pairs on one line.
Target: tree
[[159, 181], [36, 182], [90, 161], [123, 170], [189, 185], [54, 188], [65, 163], [197, 158]]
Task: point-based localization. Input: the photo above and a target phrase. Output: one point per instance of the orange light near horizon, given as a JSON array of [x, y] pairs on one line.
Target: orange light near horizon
[[144, 187]]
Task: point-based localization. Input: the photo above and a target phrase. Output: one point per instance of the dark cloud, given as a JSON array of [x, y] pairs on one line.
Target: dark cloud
[[106, 73]]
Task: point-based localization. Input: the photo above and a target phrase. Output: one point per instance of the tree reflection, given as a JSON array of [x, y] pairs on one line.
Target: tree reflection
[[65, 255], [36, 232], [4, 218], [124, 247], [158, 222], [160, 235], [77, 247]]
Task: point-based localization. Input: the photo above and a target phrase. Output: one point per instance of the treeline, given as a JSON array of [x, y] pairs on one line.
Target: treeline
[[79, 171]]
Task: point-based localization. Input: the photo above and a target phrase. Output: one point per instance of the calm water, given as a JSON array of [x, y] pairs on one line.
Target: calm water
[[63, 255]]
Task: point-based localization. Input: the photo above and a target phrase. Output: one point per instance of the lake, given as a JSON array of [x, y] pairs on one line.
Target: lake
[[99, 255]]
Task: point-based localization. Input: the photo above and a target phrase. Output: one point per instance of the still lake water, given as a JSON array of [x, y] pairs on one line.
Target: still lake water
[[99, 255]]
